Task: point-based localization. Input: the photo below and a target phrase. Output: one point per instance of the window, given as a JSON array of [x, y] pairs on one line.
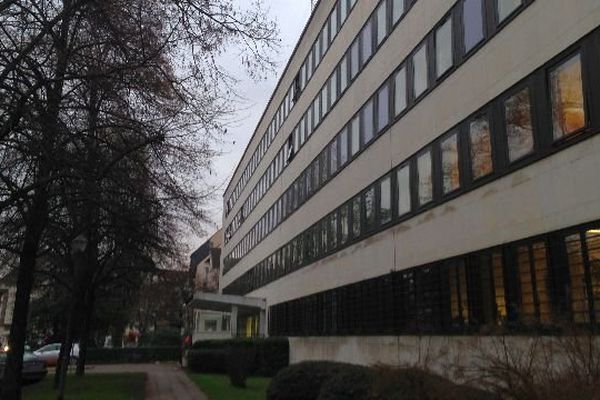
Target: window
[[566, 86], [519, 128], [472, 23], [480, 142], [343, 10], [367, 121], [210, 325], [369, 208], [367, 41], [333, 89], [344, 232], [355, 142], [506, 7], [383, 113], [324, 166], [397, 10], [592, 241], [400, 91], [577, 283], [333, 23], [385, 201], [343, 74], [443, 48], [425, 181], [534, 280], [333, 156], [354, 60], [356, 217], [343, 146], [324, 224], [419, 63], [333, 230], [381, 22], [403, 185], [450, 165], [457, 283], [317, 110]]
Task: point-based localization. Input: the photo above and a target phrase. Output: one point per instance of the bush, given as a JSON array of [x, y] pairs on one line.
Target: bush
[[132, 355], [160, 338], [269, 355], [207, 361], [352, 382], [303, 381], [240, 359]]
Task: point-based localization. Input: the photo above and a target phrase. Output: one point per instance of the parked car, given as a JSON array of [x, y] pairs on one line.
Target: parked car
[[34, 369], [49, 353]]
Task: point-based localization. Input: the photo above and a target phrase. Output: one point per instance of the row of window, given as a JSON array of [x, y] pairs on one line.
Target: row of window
[[529, 121], [402, 91], [336, 19], [372, 35], [546, 283]]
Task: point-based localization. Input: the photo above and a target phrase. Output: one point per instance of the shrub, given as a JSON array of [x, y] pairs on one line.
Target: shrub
[[352, 382], [132, 355], [207, 361], [303, 381], [159, 338], [240, 359]]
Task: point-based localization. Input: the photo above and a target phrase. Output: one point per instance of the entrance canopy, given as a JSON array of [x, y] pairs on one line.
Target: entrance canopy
[[227, 302]]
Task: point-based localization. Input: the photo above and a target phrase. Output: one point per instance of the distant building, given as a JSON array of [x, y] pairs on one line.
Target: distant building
[[424, 169]]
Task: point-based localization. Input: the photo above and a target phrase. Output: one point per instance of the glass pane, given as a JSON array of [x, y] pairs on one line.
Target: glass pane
[[542, 282], [370, 208], [507, 7], [425, 181], [385, 201], [473, 23], [527, 310], [400, 91], [367, 122], [593, 250], [577, 288], [420, 71], [343, 74], [333, 231], [343, 10], [443, 48], [333, 157], [519, 128], [344, 147], [383, 106], [355, 127], [325, 235], [344, 224], [568, 113], [481, 148], [324, 166], [381, 22], [354, 59], [367, 41], [397, 10], [498, 273], [324, 99], [333, 25], [403, 182], [450, 168], [333, 89], [356, 217]]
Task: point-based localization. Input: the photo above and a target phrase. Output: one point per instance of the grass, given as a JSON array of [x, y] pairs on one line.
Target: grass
[[91, 387], [218, 387]]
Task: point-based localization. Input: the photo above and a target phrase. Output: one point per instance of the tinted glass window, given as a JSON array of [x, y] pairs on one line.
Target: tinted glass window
[[383, 113], [425, 181], [403, 184], [333, 231], [480, 143], [333, 88], [420, 71], [356, 217], [343, 74], [385, 201], [367, 41], [333, 156], [506, 8], [370, 208], [397, 10], [443, 47], [568, 113], [344, 233], [343, 146], [450, 166], [519, 128], [354, 59], [381, 22], [400, 91], [473, 23], [367, 121], [355, 142]]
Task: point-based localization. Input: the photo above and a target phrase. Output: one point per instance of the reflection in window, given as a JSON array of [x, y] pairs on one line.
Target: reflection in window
[[367, 121], [354, 59], [592, 239], [333, 230], [343, 74], [420, 71], [385, 201], [443, 48], [343, 147], [397, 10], [356, 217], [344, 233], [400, 91], [324, 235], [473, 23], [480, 148], [577, 289], [324, 166], [568, 114], [542, 280], [450, 168], [333, 157], [333, 89], [370, 209], [403, 182], [459, 304], [383, 114], [425, 181], [355, 142], [506, 8], [367, 41], [519, 128], [498, 274], [381, 22]]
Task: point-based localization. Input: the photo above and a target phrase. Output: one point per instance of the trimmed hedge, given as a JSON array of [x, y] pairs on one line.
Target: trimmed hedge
[[269, 355], [132, 355], [325, 380], [161, 338]]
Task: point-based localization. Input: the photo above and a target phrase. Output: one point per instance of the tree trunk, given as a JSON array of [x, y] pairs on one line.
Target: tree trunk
[[85, 334]]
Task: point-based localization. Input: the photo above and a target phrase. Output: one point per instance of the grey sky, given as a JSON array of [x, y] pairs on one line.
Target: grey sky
[[291, 16]]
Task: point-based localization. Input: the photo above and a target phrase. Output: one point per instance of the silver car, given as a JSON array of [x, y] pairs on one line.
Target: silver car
[[34, 369]]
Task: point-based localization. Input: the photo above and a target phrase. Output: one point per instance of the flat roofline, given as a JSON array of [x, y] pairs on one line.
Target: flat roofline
[[224, 302], [277, 87]]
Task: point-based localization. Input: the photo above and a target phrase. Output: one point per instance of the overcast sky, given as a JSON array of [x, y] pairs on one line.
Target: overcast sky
[[291, 16]]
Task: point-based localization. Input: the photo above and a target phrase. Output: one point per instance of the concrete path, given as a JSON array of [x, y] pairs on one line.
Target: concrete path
[[164, 381]]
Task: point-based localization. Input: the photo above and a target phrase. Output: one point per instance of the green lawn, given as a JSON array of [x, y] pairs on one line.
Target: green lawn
[[217, 387], [91, 387]]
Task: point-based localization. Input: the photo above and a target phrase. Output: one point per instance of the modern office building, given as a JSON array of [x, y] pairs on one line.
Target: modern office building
[[424, 168]]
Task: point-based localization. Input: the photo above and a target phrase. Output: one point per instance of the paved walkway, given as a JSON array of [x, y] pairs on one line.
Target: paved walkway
[[164, 382]]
